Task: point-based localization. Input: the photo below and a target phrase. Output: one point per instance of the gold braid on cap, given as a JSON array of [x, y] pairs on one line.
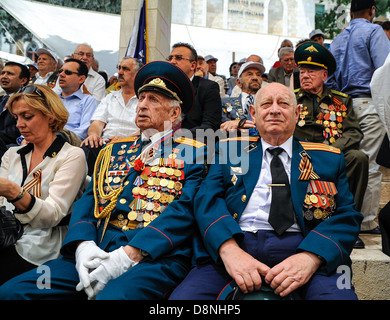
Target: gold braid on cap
[[158, 83]]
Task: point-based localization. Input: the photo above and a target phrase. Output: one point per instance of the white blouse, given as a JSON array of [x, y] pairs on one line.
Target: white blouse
[[64, 172]]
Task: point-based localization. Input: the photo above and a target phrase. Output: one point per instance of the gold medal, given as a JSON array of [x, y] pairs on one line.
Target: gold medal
[[156, 181], [171, 197], [154, 169], [154, 216], [157, 195], [150, 194], [171, 184], [164, 198], [156, 207], [162, 170], [164, 182], [117, 179], [313, 199], [143, 191], [132, 215], [146, 217], [178, 186], [170, 172], [317, 213], [172, 156], [177, 173]]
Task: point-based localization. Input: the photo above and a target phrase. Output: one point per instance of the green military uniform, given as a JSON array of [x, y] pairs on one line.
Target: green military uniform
[[329, 118]]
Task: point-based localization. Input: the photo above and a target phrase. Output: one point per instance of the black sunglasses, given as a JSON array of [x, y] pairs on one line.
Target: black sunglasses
[[68, 72], [30, 90]]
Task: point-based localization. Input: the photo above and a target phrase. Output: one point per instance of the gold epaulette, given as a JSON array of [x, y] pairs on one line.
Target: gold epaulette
[[126, 139], [190, 142], [339, 93], [319, 147], [252, 139]]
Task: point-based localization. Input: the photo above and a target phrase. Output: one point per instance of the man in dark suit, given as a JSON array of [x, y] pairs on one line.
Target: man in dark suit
[[13, 77], [206, 112], [288, 73]]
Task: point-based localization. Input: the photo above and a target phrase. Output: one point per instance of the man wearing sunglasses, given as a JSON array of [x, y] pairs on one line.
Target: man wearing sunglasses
[[94, 83], [81, 106], [206, 112]]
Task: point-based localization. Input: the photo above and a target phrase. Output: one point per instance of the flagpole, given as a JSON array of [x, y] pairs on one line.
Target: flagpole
[[146, 33]]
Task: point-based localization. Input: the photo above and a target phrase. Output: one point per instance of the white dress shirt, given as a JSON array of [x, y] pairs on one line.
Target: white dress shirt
[[118, 116], [63, 181], [42, 80], [256, 213]]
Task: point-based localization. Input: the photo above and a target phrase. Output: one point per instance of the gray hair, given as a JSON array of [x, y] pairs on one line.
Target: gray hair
[[285, 51], [174, 103]]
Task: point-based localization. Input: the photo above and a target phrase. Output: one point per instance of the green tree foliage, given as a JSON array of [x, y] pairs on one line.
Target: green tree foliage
[[109, 6], [332, 21]]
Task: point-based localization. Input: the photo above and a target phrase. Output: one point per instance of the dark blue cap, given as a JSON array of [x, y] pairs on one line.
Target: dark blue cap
[[167, 79]]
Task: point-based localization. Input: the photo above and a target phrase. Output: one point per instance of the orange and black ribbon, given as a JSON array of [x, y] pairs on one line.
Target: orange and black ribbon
[[35, 185]]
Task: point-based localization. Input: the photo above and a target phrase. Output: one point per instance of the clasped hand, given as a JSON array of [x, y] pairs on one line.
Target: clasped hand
[[96, 267], [285, 277]]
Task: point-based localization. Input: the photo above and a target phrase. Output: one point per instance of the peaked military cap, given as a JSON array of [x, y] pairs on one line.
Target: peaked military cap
[[311, 54], [167, 79]]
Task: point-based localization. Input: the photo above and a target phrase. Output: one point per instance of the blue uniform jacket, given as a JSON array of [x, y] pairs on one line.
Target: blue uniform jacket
[[224, 194], [167, 235], [232, 109]]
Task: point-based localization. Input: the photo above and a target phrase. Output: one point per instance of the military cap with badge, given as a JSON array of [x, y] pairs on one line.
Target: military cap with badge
[[312, 55], [159, 180]]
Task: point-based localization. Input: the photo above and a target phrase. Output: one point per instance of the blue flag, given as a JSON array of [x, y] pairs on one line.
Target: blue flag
[[137, 43]]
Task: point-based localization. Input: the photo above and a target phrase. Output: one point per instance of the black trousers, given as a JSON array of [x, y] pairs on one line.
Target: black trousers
[[12, 264], [384, 224]]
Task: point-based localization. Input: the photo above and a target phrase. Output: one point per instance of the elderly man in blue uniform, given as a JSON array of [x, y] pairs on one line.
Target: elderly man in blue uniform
[[235, 110], [289, 221], [130, 234]]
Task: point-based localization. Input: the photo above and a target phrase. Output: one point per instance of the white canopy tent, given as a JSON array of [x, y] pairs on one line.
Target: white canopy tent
[[62, 28]]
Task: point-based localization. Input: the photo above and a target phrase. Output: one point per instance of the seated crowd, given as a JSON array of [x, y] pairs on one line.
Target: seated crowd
[[175, 182]]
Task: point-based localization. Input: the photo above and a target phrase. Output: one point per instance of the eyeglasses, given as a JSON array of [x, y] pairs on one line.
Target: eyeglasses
[[82, 54], [68, 72], [177, 57], [30, 90]]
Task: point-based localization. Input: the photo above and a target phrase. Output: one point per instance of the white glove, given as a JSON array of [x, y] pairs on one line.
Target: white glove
[[86, 253], [117, 263]]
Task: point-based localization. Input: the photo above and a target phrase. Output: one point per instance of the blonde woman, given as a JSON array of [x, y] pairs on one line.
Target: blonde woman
[[39, 181]]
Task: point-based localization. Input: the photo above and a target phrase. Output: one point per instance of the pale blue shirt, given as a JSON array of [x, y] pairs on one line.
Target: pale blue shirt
[[359, 50], [81, 107], [256, 213]]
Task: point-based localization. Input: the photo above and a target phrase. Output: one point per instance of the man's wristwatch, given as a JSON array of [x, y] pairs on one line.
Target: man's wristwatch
[[241, 123]]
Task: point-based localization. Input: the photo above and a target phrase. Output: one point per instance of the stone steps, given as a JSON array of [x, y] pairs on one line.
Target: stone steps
[[370, 266]]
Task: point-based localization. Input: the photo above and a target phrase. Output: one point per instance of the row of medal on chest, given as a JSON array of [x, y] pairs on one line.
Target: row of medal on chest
[[153, 190], [318, 206]]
